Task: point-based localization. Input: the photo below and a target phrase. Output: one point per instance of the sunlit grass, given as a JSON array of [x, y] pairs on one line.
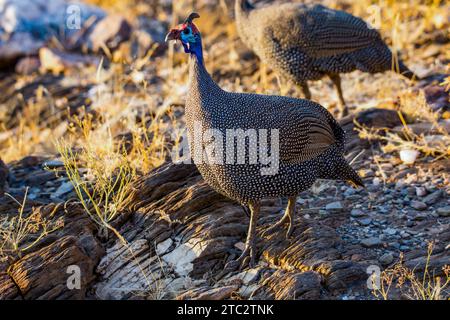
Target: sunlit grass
[[22, 231], [413, 286], [414, 106]]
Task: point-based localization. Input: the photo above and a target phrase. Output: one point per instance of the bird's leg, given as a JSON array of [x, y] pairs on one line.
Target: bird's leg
[[336, 78], [288, 216], [250, 242], [249, 253], [283, 88], [306, 91], [263, 75]]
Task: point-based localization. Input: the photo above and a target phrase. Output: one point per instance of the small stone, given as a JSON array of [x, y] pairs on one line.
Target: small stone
[[356, 213], [421, 191], [399, 185], [444, 211], [371, 242], [411, 191], [365, 222], [349, 192], [420, 217], [387, 166], [433, 197], [63, 189], [386, 259], [376, 181], [365, 173], [390, 231], [162, 247], [337, 205], [52, 164], [418, 205]]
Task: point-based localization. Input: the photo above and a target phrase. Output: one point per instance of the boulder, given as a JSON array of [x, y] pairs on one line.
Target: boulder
[[44, 274], [109, 33], [57, 61], [28, 65], [25, 26]]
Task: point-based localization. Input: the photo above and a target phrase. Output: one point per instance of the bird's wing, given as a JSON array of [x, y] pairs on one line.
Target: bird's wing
[[323, 32], [304, 137], [331, 32]]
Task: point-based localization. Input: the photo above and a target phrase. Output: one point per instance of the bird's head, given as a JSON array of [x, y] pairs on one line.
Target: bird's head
[[187, 33]]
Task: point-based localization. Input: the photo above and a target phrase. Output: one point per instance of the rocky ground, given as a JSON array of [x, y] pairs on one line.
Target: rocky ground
[[180, 233]]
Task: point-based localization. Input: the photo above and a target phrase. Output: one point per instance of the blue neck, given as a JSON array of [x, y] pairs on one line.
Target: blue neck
[[196, 50]]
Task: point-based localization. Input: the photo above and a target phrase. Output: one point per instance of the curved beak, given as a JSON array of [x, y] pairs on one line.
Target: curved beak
[[173, 34]]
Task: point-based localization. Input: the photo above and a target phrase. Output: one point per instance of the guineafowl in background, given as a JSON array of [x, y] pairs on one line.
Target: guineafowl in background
[[308, 141], [304, 42]]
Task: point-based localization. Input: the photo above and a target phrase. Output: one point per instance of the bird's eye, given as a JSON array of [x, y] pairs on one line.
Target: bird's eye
[[187, 31]]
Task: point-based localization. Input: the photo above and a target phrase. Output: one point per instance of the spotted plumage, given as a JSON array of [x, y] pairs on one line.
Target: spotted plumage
[[310, 141], [304, 42]]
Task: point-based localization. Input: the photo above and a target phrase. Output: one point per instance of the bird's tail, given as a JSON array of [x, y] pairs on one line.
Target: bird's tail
[[343, 171], [349, 175], [406, 72]]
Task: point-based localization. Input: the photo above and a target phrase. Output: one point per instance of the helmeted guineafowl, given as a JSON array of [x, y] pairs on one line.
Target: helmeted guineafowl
[[249, 146], [304, 42]]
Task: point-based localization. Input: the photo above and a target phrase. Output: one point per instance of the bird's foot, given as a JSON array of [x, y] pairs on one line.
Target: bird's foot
[[247, 258], [277, 226]]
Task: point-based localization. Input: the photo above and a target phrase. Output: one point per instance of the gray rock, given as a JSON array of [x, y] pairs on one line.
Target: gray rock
[[418, 205], [109, 32], [53, 164], [410, 223], [390, 231], [399, 185], [26, 25], [411, 191], [376, 182], [420, 217], [421, 191], [63, 189], [371, 242], [444, 211], [349, 192], [433, 197], [386, 259], [356, 213], [337, 205], [365, 222]]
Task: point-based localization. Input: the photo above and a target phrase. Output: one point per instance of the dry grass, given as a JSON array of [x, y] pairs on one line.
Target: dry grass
[[403, 23], [416, 108], [19, 233], [413, 286]]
